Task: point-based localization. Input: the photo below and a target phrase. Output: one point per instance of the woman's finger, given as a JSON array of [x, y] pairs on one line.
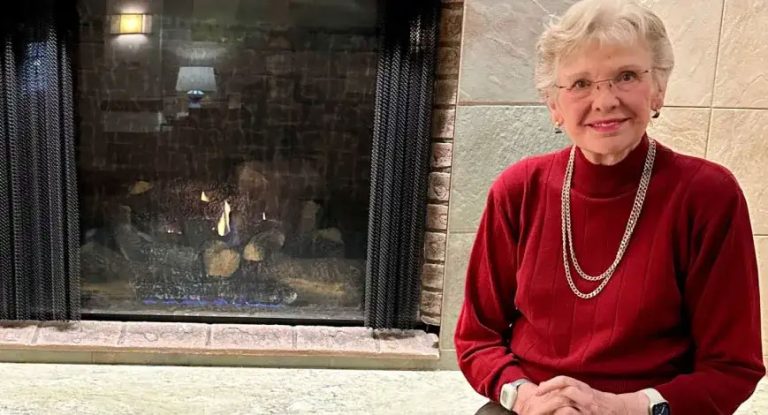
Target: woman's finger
[[558, 382], [547, 404], [567, 411], [583, 399]]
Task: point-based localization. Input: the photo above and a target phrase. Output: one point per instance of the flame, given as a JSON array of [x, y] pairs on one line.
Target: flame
[[204, 197], [222, 227], [263, 215]]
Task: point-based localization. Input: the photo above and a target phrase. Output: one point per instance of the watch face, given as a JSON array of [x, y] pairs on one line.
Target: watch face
[[508, 396], [660, 409], [504, 398]]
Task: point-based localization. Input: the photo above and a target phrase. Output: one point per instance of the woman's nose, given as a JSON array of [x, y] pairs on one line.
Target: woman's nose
[[603, 97]]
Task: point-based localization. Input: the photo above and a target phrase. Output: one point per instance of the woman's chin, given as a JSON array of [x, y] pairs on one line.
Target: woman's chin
[[610, 144]]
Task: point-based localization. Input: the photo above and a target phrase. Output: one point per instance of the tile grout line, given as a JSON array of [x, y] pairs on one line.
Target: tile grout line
[[123, 331], [717, 56], [714, 81], [709, 133], [35, 335]]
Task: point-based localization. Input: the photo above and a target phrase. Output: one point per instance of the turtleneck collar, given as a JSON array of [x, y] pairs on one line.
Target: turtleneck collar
[[597, 180]]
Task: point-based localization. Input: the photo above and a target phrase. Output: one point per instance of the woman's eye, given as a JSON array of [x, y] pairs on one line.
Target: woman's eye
[[580, 84], [627, 76]]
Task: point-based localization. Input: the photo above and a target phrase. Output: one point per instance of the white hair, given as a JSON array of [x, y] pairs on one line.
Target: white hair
[[607, 22]]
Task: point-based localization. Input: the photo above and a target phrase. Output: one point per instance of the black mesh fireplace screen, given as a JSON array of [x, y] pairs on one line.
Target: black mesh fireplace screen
[[38, 191], [400, 162]]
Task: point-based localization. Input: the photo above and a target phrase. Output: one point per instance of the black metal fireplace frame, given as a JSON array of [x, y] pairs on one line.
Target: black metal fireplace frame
[[399, 173]]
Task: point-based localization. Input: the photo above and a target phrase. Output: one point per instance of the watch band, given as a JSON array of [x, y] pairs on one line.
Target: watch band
[[508, 395], [654, 399]]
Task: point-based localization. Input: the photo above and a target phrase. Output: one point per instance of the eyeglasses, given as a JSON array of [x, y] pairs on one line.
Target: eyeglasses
[[625, 81]]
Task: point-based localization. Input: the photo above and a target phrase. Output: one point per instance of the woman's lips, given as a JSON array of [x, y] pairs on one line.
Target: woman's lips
[[607, 126]]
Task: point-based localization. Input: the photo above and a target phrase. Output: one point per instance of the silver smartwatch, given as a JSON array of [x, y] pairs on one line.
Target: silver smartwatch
[[509, 393], [657, 404]]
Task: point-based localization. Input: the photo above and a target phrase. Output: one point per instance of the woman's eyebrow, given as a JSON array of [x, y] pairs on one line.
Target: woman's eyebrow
[[587, 75], [577, 75]]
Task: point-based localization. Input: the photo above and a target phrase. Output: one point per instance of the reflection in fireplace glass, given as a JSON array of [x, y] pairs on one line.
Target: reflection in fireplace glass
[[224, 157]]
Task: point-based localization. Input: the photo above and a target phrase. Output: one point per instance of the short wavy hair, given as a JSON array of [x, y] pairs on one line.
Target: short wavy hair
[[607, 22]]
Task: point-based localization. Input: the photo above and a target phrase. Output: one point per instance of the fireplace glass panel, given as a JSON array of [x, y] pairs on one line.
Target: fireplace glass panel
[[224, 156]]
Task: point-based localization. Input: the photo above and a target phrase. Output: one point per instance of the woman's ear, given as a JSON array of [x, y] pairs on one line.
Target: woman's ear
[[554, 112]]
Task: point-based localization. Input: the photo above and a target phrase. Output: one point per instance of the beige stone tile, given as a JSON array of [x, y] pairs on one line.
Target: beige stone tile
[[739, 141], [165, 335], [408, 342], [28, 356], [498, 48], [336, 340], [488, 139], [682, 129], [693, 31], [448, 360], [459, 246], [251, 337], [79, 334], [741, 79], [761, 244], [16, 333], [499, 40]]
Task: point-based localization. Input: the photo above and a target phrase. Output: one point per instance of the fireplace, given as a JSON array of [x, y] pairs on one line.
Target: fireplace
[[227, 158]]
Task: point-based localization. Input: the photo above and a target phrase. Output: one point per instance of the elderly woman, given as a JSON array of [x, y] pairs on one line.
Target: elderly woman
[[615, 276]]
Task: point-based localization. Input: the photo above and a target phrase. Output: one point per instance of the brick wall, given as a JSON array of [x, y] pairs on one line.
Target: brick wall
[[446, 90]]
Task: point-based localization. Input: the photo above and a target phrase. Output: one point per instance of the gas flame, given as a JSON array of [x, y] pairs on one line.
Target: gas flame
[[222, 227], [204, 197]]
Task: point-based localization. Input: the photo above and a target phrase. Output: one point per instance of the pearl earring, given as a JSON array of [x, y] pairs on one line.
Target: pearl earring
[[558, 130], [656, 114]]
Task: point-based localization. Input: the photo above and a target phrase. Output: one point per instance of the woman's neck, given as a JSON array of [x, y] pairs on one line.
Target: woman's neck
[[609, 159], [604, 180]]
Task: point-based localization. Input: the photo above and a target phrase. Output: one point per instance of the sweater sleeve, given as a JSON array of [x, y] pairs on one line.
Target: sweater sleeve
[[483, 328], [721, 304]]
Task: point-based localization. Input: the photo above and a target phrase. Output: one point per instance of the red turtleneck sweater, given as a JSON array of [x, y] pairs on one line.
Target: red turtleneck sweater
[[681, 313]]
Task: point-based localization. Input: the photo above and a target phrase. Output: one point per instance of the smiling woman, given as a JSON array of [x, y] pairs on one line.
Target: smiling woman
[[635, 252]]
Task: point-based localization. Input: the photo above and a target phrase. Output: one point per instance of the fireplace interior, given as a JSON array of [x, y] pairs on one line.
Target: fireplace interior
[[224, 153]]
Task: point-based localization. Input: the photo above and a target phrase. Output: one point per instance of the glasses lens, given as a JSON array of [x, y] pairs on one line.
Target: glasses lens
[[627, 80], [580, 93]]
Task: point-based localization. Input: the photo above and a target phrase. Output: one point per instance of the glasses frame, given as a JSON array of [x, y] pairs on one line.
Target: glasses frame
[[595, 84]]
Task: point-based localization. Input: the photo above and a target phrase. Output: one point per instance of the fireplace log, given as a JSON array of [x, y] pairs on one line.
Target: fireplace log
[[261, 246], [175, 256], [324, 281], [321, 243], [219, 260]]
